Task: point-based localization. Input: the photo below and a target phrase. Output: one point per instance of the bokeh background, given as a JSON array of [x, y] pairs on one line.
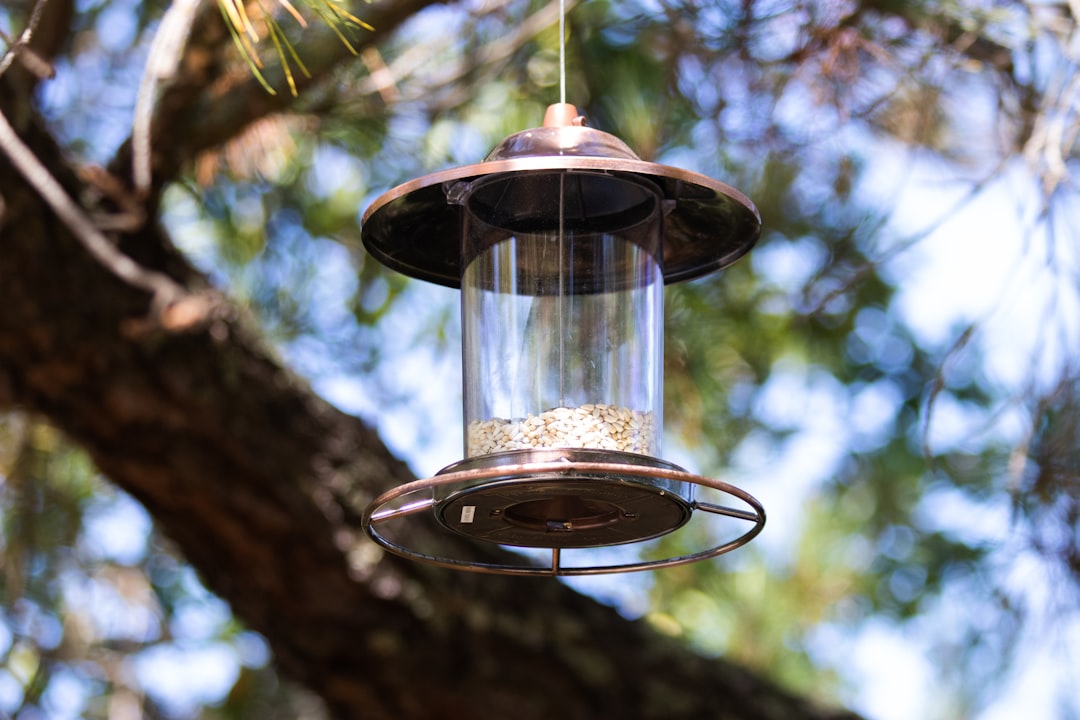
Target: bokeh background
[[893, 371]]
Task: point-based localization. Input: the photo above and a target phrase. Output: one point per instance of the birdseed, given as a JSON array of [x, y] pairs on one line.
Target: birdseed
[[603, 427]]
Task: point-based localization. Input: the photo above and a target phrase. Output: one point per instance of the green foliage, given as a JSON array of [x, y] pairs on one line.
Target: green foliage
[[803, 343], [92, 600]]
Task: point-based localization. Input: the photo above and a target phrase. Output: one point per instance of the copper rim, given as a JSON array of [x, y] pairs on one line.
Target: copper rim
[[395, 504], [414, 229]]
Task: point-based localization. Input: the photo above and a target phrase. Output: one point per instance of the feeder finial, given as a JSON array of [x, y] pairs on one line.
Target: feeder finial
[[563, 115]]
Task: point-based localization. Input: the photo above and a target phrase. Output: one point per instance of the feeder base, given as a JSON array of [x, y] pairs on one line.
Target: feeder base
[[564, 508], [404, 508]]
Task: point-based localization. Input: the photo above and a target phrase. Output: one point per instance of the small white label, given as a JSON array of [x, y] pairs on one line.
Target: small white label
[[467, 513]]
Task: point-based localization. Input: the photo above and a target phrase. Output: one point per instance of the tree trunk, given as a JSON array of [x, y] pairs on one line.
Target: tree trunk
[[258, 480]]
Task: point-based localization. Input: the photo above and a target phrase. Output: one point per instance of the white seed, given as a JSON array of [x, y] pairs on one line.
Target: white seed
[[590, 426]]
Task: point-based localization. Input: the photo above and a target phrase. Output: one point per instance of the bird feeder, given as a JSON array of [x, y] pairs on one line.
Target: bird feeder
[[561, 243]]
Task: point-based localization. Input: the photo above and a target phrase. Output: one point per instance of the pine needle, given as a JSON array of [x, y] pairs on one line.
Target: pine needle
[[245, 35], [232, 18], [343, 13], [247, 21], [294, 12], [251, 58], [282, 44], [333, 23], [284, 61], [239, 30], [238, 18]]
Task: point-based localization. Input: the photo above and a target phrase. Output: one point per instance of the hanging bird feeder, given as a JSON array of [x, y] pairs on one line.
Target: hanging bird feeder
[[561, 243]]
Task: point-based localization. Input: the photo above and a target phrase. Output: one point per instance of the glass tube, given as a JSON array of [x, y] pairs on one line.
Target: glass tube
[[562, 313]]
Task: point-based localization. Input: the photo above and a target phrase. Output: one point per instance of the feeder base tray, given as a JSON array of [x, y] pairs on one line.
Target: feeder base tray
[[564, 508], [536, 493]]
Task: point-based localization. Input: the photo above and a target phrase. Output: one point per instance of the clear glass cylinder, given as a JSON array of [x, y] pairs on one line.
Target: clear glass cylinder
[[562, 312]]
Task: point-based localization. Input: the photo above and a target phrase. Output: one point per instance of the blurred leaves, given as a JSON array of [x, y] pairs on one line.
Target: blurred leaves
[[796, 368], [96, 612], [1047, 482]]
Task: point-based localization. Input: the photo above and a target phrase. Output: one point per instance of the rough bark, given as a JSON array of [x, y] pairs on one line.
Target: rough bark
[[257, 479]]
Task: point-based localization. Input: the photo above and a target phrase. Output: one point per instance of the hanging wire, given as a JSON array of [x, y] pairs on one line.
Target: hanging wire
[[562, 51]]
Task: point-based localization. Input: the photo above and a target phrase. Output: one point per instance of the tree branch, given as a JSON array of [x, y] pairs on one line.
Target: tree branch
[[255, 478], [162, 288], [203, 108], [20, 47], [165, 53]]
